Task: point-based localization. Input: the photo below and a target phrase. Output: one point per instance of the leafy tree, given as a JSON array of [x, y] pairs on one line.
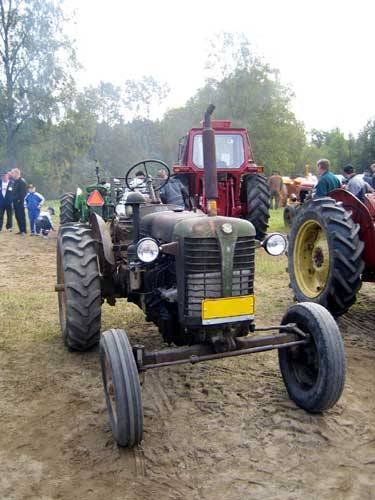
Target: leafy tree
[[34, 60], [248, 92], [364, 148], [330, 144], [141, 95]]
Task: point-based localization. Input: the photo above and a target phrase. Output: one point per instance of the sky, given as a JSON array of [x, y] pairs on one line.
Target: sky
[[324, 50]]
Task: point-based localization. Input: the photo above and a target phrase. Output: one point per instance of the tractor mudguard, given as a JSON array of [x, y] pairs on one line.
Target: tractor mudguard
[[362, 216], [101, 233]]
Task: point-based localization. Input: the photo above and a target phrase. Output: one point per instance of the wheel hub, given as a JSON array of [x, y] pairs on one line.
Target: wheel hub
[[311, 259]]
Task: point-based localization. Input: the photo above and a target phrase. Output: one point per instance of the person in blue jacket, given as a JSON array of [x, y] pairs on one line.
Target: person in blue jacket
[[33, 203]]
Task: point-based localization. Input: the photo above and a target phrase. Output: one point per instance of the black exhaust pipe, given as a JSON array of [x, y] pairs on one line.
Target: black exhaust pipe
[[209, 162]]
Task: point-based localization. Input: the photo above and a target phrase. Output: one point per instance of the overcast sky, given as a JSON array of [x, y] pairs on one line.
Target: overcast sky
[[323, 49]]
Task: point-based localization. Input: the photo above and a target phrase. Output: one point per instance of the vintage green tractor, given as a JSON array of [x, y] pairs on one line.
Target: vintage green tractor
[[76, 207], [192, 273]]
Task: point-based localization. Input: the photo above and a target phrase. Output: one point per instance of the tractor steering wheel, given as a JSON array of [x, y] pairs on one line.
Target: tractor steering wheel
[[151, 179]]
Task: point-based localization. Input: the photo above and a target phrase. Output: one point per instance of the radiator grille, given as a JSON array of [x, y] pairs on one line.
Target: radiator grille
[[202, 273], [243, 267]]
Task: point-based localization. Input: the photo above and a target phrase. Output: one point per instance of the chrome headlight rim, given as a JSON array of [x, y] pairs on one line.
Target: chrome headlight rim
[[140, 246], [269, 245]]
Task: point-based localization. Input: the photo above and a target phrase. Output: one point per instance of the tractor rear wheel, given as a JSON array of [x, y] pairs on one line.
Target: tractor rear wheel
[[314, 373], [258, 203], [325, 256], [79, 293], [121, 388], [67, 209]]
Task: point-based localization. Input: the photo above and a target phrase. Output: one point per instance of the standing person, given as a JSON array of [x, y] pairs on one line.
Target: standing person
[[356, 184], [327, 180], [19, 193], [33, 202], [6, 198], [275, 183]]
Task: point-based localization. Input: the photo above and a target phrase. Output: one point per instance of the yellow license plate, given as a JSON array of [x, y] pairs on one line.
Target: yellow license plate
[[234, 308]]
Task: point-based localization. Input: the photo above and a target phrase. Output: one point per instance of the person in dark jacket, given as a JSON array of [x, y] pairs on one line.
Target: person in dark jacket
[[174, 192], [19, 193], [6, 198], [327, 180]]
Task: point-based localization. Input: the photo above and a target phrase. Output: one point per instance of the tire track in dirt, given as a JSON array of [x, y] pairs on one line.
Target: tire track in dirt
[[219, 430]]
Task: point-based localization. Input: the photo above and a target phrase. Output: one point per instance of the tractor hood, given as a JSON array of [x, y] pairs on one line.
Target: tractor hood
[[171, 226], [161, 225]]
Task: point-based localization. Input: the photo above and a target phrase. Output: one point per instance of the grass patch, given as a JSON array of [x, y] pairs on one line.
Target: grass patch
[[27, 316], [276, 221]]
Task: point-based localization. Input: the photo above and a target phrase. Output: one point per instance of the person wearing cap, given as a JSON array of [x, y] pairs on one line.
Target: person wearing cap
[[19, 193], [356, 184], [6, 198], [327, 180], [33, 203], [173, 192]]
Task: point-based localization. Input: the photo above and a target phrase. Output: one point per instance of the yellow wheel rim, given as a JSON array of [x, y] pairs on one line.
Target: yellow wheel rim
[[311, 259]]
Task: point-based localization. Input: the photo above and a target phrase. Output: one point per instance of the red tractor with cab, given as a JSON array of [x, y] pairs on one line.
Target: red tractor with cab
[[242, 188]]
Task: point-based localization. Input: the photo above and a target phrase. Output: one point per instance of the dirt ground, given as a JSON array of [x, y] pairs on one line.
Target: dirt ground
[[220, 430]]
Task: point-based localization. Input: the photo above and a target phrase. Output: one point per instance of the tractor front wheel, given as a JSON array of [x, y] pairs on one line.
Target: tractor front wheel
[[325, 256], [314, 373], [121, 388], [258, 203], [79, 291]]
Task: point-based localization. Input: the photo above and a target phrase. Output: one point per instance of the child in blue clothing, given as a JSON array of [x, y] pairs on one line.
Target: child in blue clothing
[[33, 202]]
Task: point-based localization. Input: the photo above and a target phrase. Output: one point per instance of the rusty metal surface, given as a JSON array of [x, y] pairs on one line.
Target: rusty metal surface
[[203, 352], [102, 234]]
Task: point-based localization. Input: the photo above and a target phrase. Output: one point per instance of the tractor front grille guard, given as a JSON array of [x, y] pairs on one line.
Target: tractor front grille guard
[[203, 275]]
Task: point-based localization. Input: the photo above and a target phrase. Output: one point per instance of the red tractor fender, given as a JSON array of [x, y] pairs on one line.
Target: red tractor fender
[[364, 216]]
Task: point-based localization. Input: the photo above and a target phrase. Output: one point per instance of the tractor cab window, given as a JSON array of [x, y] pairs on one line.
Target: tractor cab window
[[230, 151]]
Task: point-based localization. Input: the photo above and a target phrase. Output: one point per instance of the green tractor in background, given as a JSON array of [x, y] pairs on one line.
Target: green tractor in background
[[104, 198], [75, 207]]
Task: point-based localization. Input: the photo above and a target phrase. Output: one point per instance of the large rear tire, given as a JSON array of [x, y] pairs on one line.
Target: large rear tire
[[258, 203], [314, 373], [121, 388], [79, 293], [325, 256], [67, 210]]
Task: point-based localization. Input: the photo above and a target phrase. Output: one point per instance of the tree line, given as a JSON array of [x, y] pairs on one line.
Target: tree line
[[56, 132]]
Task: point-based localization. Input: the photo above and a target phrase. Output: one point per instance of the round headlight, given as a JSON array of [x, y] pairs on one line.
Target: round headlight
[[275, 244], [147, 250]]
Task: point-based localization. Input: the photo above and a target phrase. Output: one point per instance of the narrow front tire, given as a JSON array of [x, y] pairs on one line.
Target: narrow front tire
[[314, 373], [121, 388]]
